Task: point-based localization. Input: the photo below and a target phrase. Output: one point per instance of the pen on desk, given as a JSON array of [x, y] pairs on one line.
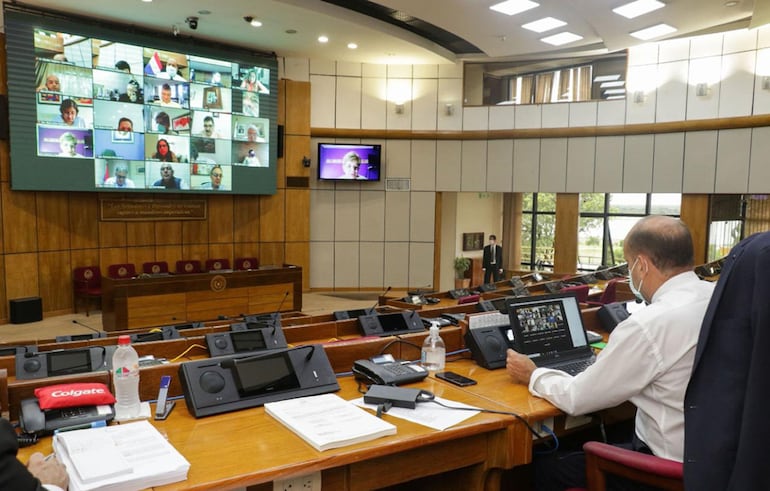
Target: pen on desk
[[95, 424], [49, 457]]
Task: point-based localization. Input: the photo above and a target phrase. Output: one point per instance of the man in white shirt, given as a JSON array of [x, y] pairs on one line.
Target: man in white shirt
[[648, 358]]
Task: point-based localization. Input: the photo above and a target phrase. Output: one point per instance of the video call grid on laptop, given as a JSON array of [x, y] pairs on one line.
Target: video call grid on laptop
[[549, 329]]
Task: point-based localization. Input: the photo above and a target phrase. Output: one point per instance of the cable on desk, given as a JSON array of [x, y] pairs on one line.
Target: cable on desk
[[172, 360], [398, 340]]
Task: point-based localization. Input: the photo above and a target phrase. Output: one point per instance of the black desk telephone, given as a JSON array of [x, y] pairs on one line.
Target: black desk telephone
[[35, 420], [385, 370]]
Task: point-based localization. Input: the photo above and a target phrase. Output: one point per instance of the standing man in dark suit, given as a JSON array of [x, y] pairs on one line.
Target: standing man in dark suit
[[492, 263], [725, 421], [13, 474]]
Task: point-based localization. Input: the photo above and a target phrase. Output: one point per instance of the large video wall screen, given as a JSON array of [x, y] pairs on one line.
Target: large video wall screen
[[94, 111]]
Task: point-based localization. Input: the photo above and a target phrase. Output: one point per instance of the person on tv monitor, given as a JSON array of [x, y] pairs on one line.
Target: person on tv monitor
[[68, 145], [125, 125], [351, 162], [252, 160], [209, 130], [172, 71], [52, 84], [120, 179], [251, 83], [250, 104], [68, 114], [167, 179], [133, 93], [216, 79], [163, 151], [215, 174], [163, 122], [165, 97], [123, 66]]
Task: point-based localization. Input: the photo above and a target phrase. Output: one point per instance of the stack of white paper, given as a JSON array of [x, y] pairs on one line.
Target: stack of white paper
[[128, 456]]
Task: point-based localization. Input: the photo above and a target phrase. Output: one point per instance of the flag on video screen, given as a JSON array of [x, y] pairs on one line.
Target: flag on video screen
[[154, 66]]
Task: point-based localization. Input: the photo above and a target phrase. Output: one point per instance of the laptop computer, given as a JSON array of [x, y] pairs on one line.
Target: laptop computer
[[549, 329]]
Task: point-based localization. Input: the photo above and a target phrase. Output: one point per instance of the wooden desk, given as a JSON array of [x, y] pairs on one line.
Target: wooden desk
[[173, 299], [250, 448]]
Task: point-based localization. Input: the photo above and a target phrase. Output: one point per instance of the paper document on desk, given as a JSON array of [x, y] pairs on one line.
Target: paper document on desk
[[428, 413], [328, 421], [123, 457]]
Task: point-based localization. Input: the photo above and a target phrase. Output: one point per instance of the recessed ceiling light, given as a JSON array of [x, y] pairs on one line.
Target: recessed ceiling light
[[561, 38], [513, 7], [606, 78], [323, 39], [255, 23], [653, 32], [290, 31], [545, 24], [147, 1], [204, 12], [617, 83], [731, 3], [637, 8], [614, 91], [352, 45]]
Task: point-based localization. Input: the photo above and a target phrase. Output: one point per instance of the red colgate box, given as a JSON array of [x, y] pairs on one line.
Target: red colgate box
[[71, 395]]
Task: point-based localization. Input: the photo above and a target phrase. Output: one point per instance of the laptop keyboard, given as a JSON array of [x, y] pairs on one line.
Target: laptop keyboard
[[575, 367]]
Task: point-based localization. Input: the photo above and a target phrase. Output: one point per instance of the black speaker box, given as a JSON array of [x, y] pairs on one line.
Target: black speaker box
[[25, 310], [488, 346], [612, 314]]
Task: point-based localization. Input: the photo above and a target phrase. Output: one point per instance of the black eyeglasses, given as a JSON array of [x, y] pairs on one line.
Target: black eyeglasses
[[216, 175]]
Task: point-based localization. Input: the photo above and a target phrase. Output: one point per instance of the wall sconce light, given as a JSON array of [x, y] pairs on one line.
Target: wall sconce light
[[639, 96], [449, 109], [702, 89], [766, 82], [400, 108]]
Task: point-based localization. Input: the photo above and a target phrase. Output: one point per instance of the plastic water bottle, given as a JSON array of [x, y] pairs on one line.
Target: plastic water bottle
[[125, 378], [433, 350]]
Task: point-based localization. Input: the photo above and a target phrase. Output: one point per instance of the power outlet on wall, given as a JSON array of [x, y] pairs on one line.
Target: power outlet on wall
[[308, 482]]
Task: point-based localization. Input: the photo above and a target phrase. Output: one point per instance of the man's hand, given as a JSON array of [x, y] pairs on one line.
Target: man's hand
[[49, 471], [519, 367]]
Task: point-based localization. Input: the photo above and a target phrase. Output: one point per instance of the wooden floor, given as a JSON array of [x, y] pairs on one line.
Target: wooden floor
[[80, 323]]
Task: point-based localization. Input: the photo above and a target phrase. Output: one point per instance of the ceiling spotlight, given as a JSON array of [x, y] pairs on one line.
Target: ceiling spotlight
[[323, 39], [192, 21], [352, 45], [251, 20]]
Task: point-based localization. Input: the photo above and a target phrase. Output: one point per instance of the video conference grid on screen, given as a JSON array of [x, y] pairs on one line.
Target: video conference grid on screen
[[148, 118]]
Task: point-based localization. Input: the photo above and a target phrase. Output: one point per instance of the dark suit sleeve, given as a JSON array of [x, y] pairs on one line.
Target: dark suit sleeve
[[13, 474], [486, 259]]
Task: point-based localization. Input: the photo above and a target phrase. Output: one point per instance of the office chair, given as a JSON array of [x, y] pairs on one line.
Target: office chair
[[609, 294], [580, 291], [603, 459], [468, 299], [188, 266], [217, 264], [155, 267], [245, 263], [86, 284], [120, 271]]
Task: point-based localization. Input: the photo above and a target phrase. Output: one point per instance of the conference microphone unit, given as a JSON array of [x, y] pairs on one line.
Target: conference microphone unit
[[75, 321], [342, 315]]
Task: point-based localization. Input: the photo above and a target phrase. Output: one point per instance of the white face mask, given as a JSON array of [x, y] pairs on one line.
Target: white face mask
[[171, 71], [636, 291]]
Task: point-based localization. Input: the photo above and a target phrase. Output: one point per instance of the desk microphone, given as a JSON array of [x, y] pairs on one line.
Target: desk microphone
[[373, 308], [277, 315], [75, 321]]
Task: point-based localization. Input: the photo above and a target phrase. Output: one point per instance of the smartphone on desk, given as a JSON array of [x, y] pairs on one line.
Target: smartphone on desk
[[456, 378]]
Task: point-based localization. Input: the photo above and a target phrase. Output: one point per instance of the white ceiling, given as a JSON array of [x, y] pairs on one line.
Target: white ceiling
[[497, 35]]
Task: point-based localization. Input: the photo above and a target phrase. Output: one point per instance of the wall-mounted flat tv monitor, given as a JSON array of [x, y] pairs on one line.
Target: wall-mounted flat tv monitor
[[103, 107], [349, 162]]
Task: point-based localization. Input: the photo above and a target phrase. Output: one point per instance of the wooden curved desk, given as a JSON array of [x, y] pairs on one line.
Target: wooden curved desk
[[174, 299]]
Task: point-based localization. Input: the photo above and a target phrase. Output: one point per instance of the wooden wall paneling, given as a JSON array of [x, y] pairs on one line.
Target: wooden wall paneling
[[21, 275], [140, 255], [271, 253], [565, 238], [53, 222], [112, 234], [169, 253], [297, 215], [168, 232], [271, 217], [196, 231], [281, 117], [112, 255], [297, 147], [297, 108], [3, 292], [246, 219], [221, 251], [5, 152], [84, 257], [194, 251], [298, 254], [246, 249], [695, 213], [220, 221], [19, 221], [140, 233], [84, 213], [55, 280]]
